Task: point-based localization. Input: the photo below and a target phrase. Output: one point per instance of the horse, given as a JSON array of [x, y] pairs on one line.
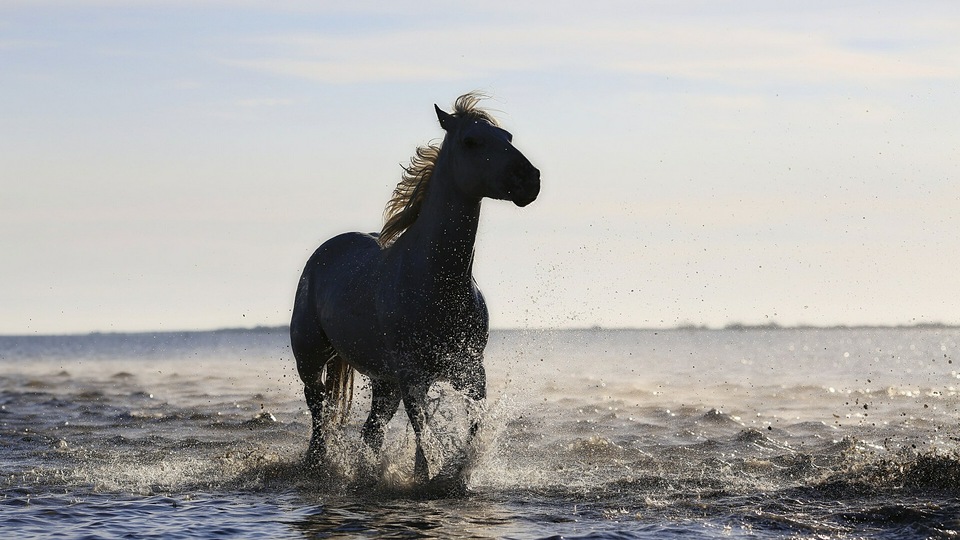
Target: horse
[[401, 306]]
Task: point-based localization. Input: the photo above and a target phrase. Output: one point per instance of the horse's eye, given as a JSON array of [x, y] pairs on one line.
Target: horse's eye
[[472, 142]]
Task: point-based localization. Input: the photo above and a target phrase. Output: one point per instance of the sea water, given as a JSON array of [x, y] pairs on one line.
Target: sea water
[[821, 433]]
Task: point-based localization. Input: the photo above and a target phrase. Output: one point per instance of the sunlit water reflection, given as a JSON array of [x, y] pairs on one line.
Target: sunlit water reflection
[[839, 433]]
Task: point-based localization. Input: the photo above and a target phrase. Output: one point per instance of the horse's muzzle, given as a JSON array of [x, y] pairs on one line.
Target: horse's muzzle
[[525, 186]]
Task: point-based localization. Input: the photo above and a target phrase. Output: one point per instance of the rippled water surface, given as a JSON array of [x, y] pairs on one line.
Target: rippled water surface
[[608, 434]]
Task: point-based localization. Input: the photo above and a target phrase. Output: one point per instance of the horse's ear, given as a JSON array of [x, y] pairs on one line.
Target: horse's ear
[[446, 120]]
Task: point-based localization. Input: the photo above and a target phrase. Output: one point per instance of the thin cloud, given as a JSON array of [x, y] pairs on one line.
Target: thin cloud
[[264, 102], [21, 44], [345, 71], [739, 55], [749, 55]]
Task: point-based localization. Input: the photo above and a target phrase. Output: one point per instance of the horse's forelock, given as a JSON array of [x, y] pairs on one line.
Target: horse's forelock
[[467, 106]]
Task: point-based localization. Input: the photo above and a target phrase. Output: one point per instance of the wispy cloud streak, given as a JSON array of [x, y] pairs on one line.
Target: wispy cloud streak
[[739, 55]]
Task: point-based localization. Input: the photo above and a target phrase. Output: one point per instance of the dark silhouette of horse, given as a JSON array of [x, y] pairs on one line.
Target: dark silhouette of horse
[[402, 307]]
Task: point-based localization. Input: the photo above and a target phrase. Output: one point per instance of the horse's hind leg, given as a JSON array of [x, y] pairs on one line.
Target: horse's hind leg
[[386, 400], [312, 351]]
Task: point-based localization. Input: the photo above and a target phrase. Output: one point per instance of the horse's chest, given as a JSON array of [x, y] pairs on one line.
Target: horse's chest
[[435, 333], [443, 314]]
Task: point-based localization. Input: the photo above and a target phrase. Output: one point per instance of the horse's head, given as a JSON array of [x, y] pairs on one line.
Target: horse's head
[[484, 161]]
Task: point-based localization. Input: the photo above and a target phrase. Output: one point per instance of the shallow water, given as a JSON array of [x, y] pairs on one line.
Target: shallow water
[[594, 433]]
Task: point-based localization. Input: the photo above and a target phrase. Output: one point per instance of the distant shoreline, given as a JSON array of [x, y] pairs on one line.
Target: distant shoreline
[[732, 327]]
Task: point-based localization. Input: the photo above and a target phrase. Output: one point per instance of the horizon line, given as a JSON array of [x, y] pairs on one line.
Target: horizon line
[[595, 328]]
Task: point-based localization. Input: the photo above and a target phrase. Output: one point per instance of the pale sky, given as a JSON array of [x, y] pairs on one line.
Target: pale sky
[[171, 165]]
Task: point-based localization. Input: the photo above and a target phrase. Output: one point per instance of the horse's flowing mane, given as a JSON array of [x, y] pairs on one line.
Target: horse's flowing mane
[[404, 206]]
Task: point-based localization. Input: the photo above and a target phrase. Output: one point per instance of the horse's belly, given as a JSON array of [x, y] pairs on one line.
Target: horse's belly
[[360, 347]]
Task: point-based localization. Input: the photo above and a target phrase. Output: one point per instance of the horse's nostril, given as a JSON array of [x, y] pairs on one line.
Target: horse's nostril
[[525, 171]]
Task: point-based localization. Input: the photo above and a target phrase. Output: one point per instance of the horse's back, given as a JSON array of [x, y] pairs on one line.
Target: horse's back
[[345, 251]]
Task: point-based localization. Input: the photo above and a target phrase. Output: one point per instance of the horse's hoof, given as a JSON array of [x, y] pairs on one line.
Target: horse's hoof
[[314, 458], [445, 486], [421, 479]]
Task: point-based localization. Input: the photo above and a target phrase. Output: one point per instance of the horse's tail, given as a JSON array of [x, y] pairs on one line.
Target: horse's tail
[[339, 386]]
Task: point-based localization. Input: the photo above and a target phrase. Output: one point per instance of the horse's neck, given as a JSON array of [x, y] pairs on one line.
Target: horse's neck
[[444, 234]]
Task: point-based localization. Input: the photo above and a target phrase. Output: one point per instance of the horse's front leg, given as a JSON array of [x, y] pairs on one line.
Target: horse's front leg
[[386, 400], [413, 401], [473, 384], [452, 478]]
